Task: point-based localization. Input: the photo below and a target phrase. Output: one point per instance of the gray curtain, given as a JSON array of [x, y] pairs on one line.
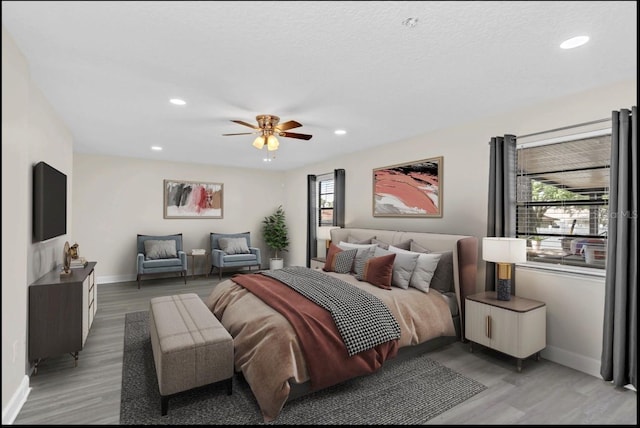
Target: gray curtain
[[338, 197], [501, 217], [312, 246], [619, 361]]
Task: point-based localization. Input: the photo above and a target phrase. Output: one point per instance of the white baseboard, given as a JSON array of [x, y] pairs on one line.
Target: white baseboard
[[109, 279], [10, 413], [572, 360]]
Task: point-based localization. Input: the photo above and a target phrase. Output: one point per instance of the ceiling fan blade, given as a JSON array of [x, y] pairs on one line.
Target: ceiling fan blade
[[288, 125], [295, 135], [241, 133], [245, 124]]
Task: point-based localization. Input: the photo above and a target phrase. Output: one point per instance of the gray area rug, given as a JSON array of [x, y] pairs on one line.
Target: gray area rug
[[410, 392]]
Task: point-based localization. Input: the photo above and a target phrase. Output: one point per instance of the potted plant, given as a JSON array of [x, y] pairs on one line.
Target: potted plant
[[535, 241], [276, 237]]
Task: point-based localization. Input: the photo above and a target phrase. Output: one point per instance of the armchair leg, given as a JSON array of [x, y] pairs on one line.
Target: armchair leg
[[220, 273], [184, 273], [138, 279]]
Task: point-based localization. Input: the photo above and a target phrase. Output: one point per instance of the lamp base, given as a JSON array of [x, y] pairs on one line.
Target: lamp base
[[503, 289]]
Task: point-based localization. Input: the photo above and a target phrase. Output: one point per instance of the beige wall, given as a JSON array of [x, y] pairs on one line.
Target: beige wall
[[31, 132], [465, 190], [117, 198]]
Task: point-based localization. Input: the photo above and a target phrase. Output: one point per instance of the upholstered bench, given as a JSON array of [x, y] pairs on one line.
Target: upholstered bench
[[190, 346]]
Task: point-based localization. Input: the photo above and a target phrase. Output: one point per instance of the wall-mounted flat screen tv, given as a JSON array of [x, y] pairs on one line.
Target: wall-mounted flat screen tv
[[49, 202]]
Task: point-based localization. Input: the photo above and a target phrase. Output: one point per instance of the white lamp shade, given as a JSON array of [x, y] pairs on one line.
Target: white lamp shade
[[323, 233], [504, 250]]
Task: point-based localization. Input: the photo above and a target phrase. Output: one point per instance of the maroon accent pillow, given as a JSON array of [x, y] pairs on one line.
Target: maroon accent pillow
[[378, 271]]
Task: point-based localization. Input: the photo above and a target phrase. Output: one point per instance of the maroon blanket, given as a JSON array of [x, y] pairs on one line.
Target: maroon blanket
[[326, 356]]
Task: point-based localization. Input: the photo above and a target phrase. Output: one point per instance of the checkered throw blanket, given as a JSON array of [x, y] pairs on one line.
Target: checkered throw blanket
[[361, 318]]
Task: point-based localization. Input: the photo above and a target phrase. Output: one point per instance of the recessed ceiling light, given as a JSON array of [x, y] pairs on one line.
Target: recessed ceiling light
[[177, 101], [339, 132], [574, 42], [156, 148], [266, 160]]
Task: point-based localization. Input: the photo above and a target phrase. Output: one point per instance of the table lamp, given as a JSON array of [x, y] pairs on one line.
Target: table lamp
[[323, 233], [504, 252]]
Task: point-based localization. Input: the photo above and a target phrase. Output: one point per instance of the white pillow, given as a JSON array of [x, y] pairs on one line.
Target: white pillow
[[234, 245], [424, 270], [349, 245], [403, 267]]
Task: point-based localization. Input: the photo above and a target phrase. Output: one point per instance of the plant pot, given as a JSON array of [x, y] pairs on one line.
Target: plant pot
[[535, 245], [276, 263]]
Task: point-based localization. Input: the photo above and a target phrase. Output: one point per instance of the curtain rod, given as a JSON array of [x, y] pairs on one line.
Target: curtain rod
[[565, 127]]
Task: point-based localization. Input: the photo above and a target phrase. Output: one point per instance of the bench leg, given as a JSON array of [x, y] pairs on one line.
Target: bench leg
[[230, 386], [164, 404]]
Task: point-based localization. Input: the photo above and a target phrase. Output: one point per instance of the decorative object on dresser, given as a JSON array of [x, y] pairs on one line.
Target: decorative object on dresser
[[504, 252], [516, 327], [412, 189], [61, 312], [66, 260]]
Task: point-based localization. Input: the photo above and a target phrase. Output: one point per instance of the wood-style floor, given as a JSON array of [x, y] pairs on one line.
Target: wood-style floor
[[543, 393]]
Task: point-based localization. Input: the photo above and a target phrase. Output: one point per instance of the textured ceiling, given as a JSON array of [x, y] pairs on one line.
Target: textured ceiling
[[109, 69]]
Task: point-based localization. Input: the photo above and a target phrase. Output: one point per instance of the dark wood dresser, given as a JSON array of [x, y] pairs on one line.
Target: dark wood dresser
[[61, 311]]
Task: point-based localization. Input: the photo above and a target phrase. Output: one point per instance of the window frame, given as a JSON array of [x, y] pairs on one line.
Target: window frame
[[320, 209], [602, 200]]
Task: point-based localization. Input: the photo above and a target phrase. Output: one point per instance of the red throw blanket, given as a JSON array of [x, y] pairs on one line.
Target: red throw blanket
[[325, 353]]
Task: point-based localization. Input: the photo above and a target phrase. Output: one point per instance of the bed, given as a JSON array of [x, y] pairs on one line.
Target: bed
[[269, 352]]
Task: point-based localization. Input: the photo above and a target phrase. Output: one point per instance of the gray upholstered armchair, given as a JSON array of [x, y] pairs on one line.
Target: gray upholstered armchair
[[233, 250], [161, 254]]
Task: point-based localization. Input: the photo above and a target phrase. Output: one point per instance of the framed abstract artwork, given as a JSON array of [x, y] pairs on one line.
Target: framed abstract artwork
[[192, 199], [411, 189]]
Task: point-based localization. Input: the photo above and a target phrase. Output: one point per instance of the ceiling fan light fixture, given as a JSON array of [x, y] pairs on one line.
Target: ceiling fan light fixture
[[272, 143], [258, 143]]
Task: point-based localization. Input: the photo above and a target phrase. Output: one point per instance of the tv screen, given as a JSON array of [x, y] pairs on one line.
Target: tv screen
[[49, 202]]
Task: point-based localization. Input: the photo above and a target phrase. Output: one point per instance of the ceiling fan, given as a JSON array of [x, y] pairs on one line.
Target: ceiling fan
[[269, 127]]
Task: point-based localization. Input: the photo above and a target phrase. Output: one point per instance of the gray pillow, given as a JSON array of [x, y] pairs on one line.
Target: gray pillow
[[417, 248], [443, 276], [353, 240], [402, 245], [160, 249], [403, 266], [234, 245]]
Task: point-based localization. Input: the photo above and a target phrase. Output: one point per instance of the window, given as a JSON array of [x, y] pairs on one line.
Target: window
[[562, 199], [325, 200]]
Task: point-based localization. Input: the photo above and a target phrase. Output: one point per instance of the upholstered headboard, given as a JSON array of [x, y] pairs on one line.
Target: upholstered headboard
[[464, 248]]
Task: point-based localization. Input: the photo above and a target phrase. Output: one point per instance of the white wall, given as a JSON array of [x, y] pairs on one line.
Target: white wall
[[465, 190], [117, 198], [31, 132]]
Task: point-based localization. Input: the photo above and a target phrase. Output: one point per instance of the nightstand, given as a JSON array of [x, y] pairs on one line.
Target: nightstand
[[516, 327], [318, 263]]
